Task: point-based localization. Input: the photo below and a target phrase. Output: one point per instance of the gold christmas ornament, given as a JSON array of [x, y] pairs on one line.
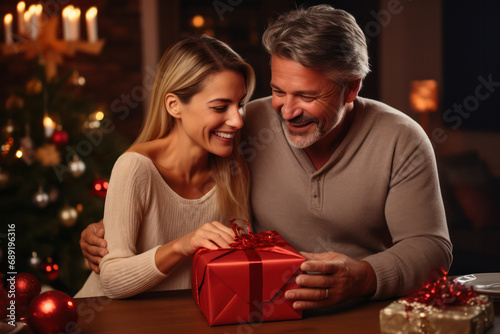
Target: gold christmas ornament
[[48, 155], [34, 86], [68, 216], [14, 102]]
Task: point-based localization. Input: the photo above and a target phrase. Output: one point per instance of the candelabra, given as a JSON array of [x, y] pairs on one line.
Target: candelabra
[[37, 37]]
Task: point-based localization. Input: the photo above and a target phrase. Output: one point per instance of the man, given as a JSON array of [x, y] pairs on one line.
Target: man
[[350, 181]]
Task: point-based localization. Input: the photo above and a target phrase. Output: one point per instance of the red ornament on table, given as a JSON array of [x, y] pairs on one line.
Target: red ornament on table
[[100, 188], [52, 312], [60, 138], [50, 269], [27, 288]]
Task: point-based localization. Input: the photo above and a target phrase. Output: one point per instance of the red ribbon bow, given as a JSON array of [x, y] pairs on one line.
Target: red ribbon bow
[[252, 240], [442, 292]]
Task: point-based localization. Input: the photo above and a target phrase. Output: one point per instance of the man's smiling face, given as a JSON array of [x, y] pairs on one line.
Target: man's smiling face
[[309, 105]]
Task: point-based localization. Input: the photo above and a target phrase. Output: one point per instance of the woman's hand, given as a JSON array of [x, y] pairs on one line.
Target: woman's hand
[[212, 235]]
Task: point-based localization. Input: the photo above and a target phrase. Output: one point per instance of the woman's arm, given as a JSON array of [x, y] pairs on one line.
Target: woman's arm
[[124, 271]]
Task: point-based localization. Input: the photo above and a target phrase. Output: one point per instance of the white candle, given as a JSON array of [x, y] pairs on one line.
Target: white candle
[[33, 22], [7, 22], [20, 17], [91, 18], [49, 126], [66, 24], [38, 11], [74, 22], [77, 24], [27, 25]]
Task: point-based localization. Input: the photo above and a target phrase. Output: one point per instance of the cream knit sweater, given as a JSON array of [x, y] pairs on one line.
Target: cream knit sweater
[[142, 213]]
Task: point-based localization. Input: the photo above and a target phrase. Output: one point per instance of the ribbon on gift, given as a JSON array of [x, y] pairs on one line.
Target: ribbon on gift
[[248, 242], [442, 292], [253, 240]]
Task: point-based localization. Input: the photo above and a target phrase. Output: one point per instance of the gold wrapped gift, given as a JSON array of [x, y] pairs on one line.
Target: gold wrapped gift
[[403, 316]]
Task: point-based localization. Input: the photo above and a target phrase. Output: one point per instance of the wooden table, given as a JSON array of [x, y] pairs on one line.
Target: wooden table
[[176, 312]]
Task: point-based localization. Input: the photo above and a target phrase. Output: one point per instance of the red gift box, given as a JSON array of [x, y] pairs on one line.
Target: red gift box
[[246, 283]]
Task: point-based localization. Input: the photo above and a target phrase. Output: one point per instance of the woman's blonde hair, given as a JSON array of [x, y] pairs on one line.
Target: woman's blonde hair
[[182, 71]]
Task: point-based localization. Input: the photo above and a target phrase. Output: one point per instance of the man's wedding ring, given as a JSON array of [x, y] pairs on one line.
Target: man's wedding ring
[[326, 296]]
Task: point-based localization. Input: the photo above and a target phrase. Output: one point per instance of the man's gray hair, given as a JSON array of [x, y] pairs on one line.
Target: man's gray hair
[[320, 37]]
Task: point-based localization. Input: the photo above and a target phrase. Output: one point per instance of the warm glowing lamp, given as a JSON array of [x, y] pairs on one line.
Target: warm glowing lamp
[[424, 99], [198, 21]]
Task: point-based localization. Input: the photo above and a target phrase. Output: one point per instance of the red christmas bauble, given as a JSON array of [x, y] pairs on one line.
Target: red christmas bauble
[[27, 288], [60, 138], [52, 312], [100, 188], [50, 269]]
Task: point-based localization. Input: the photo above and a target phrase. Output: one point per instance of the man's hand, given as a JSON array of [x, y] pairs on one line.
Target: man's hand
[[331, 278], [93, 245]]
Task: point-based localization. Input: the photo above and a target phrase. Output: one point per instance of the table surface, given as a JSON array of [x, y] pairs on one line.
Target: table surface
[[176, 312]]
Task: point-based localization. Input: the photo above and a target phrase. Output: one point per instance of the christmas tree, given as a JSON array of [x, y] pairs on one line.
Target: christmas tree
[[57, 152]]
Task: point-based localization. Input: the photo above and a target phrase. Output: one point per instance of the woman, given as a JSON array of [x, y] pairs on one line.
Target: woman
[[182, 176]]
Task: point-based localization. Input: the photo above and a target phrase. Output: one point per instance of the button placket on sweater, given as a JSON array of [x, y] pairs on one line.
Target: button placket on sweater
[[315, 192]]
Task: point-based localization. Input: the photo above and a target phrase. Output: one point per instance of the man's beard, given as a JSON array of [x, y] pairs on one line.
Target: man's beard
[[302, 140]]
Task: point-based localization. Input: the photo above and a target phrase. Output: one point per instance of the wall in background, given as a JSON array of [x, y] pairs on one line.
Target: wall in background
[[411, 48]]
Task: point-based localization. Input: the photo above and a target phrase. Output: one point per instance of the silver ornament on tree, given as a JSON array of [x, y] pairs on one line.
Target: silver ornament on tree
[[41, 198], [35, 261], [68, 216], [76, 166], [8, 128], [27, 147]]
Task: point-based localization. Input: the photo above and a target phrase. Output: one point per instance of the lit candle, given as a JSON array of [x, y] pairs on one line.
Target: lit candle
[[20, 17], [7, 22], [38, 11], [27, 19], [77, 24], [49, 126], [91, 18], [33, 22], [74, 24], [66, 24]]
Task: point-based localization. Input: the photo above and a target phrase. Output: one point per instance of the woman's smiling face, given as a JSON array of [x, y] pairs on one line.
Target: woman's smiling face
[[212, 117]]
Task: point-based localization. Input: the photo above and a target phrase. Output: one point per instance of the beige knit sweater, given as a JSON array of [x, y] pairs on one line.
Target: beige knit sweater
[[142, 213]]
